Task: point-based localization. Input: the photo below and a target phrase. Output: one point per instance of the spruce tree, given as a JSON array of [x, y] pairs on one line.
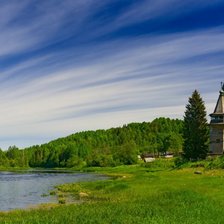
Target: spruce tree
[[195, 131]]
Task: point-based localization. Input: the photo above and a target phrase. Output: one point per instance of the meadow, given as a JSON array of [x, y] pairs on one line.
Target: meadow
[[151, 193]]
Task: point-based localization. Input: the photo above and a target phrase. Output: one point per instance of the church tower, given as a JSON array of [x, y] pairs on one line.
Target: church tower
[[217, 125]]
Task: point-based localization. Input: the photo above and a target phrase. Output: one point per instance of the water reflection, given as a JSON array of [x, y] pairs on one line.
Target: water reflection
[[20, 190]]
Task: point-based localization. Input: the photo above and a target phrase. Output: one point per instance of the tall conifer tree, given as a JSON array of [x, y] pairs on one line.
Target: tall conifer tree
[[195, 132]]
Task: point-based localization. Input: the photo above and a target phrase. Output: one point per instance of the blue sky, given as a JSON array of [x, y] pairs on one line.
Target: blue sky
[[73, 65]]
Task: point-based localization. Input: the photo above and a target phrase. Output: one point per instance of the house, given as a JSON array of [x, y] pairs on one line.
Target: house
[[168, 155], [147, 158]]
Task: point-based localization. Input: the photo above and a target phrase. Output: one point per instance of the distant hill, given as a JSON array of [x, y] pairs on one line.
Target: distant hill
[[110, 147]]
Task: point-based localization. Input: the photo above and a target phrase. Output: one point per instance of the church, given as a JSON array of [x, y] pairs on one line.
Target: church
[[217, 125]]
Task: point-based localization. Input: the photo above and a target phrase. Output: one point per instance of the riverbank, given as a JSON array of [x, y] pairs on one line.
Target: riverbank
[[136, 194]]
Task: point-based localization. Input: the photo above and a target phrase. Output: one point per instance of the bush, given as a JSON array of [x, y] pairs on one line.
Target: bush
[[179, 161], [216, 163], [160, 163]]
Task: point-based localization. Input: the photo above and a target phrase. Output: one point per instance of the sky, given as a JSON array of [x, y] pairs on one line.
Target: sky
[[73, 65]]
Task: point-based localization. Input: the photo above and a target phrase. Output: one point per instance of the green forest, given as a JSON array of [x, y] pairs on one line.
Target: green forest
[[112, 147]]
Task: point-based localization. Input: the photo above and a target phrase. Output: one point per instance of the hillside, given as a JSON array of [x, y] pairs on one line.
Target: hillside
[[110, 147]]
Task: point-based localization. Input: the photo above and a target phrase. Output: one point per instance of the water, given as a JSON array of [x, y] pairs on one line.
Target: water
[[21, 190]]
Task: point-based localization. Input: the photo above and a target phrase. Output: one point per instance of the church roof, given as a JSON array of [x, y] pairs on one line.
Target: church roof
[[219, 109]]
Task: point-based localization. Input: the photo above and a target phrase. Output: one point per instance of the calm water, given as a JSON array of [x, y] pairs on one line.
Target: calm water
[[21, 190]]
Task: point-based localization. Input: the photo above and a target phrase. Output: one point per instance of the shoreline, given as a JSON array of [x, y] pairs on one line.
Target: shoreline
[[53, 196]]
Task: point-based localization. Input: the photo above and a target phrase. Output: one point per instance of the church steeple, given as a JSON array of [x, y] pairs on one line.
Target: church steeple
[[219, 109], [217, 125]]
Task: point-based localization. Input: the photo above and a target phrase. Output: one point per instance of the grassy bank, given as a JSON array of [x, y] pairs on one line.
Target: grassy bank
[[136, 194]]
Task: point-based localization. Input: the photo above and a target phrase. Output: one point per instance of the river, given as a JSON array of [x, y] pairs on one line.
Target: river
[[21, 190]]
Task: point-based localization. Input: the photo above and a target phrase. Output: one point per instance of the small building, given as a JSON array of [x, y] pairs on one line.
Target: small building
[[147, 158], [168, 156], [217, 125]]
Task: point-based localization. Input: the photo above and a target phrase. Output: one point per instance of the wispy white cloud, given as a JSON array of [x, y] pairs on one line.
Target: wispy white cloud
[[41, 24]]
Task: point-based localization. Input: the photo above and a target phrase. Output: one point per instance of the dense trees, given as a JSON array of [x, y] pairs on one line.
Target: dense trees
[[3, 159], [110, 147], [195, 131]]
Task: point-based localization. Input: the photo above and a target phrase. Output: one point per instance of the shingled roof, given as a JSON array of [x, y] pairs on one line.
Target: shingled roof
[[219, 108]]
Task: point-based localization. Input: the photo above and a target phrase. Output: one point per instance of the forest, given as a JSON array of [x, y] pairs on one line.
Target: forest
[[112, 147]]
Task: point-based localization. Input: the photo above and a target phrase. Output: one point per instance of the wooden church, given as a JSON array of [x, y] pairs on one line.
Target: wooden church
[[217, 125]]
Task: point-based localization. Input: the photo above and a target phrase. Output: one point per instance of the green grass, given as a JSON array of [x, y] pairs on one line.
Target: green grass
[[136, 194]]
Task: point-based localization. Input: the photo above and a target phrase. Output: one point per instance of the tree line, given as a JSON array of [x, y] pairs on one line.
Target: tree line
[[112, 147]]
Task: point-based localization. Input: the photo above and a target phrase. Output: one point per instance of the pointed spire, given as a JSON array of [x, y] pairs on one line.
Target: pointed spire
[[219, 109]]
